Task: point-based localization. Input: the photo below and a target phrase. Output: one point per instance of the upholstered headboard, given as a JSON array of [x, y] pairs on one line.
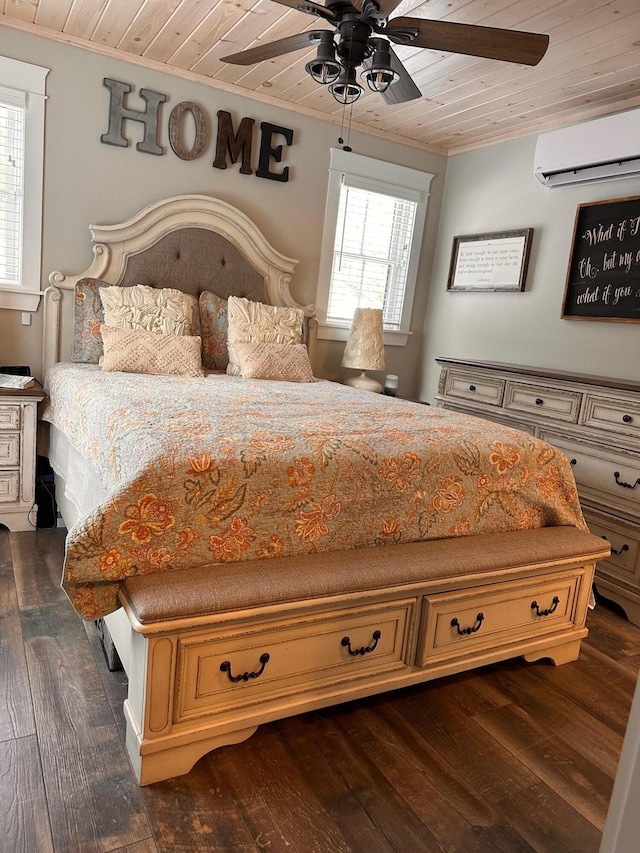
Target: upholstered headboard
[[193, 260], [191, 243]]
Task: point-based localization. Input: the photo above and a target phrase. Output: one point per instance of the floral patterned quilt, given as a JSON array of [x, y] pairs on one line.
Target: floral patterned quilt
[[204, 471]]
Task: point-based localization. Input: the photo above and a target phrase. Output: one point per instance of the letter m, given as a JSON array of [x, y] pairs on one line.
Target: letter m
[[237, 145]]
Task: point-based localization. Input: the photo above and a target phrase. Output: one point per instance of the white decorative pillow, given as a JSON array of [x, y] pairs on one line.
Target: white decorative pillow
[[135, 351], [287, 362], [149, 309], [255, 322]]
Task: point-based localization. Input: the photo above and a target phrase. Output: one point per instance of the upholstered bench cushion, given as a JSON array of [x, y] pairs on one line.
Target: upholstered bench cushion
[[193, 593]]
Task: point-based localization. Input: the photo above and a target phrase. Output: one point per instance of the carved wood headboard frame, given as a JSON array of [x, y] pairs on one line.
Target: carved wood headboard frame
[[114, 245]]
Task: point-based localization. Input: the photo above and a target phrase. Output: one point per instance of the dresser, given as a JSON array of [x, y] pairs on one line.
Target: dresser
[[595, 421], [18, 419]]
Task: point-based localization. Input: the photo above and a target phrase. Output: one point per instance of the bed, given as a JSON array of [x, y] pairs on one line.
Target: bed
[[260, 548]]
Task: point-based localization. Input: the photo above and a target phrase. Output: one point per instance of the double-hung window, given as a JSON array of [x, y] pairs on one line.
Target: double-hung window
[[374, 222], [22, 97]]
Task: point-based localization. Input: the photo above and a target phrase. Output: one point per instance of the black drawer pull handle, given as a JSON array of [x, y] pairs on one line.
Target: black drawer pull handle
[[624, 485], [539, 401], [472, 387], [624, 548], [363, 650], [554, 606], [471, 629], [573, 462], [627, 419], [225, 666]]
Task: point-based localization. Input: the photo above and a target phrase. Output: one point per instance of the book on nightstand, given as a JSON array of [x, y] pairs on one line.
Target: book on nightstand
[[18, 383]]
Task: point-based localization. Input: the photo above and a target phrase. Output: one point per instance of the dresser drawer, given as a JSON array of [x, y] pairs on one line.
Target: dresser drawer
[[454, 624], [623, 563], [9, 487], [9, 416], [9, 449], [263, 664], [612, 415], [543, 401], [607, 477], [468, 386]]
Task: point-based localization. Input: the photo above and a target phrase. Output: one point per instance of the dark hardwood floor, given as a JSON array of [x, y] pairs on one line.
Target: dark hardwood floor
[[516, 757]]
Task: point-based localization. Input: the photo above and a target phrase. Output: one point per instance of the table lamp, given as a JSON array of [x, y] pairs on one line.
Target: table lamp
[[365, 348]]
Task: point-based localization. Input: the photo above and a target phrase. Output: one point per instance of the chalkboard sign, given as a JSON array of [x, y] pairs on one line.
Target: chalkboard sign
[[603, 278]]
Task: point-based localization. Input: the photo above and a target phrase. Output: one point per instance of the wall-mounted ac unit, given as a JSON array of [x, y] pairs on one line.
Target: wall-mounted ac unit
[[600, 150]]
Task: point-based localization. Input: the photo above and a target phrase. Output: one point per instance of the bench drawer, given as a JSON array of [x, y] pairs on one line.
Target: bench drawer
[[475, 619], [234, 670]]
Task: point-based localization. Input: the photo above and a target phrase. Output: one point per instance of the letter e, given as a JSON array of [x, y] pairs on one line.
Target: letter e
[[267, 151]]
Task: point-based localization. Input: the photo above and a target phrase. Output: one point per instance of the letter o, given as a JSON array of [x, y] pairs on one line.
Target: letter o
[[200, 141]]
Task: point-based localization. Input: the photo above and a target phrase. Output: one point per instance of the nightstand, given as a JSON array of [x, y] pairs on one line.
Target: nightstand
[[18, 420]]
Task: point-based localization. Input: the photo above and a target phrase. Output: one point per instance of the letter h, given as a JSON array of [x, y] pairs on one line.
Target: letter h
[[118, 113]]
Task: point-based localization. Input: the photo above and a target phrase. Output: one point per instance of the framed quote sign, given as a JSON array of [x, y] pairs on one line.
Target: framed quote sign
[[603, 276], [490, 261]]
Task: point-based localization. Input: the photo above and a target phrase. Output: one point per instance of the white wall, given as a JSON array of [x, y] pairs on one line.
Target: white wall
[[89, 182], [493, 189]]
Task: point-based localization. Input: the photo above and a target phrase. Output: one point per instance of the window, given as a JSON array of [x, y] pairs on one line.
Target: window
[[11, 190], [22, 97], [373, 228]]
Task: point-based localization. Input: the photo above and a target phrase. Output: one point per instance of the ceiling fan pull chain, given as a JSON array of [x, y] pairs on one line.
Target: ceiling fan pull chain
[[348, 147]]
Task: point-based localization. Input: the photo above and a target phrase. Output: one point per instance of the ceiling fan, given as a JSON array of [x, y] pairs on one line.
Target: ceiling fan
[[361, 35]]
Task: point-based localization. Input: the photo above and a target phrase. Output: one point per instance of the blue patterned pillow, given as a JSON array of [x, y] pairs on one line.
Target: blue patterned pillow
[[88, 315], [213, 330]]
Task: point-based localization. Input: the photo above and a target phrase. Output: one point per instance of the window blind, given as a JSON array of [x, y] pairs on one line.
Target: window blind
[[12, 142], [371, 254]]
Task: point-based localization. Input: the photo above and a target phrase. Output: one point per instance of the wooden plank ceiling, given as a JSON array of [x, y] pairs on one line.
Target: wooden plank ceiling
[[592, 66]]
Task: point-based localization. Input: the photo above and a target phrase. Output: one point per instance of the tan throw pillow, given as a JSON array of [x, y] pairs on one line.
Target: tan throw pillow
[[133, 351], [255, 322], [287, 362], [149, 309]]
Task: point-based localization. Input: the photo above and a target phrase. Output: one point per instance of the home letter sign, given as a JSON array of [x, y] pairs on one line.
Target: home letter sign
[[232, 144]]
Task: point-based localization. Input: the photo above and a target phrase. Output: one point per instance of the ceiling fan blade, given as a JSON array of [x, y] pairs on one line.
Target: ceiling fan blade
[[275, 48], [404, 89], [310, 7], [472, 40]]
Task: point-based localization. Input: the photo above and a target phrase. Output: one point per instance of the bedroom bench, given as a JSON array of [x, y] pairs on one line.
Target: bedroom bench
[[229, 648]]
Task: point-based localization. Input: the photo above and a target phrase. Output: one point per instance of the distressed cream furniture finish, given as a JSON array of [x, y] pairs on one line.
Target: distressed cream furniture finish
[[18, 418], [595, 421], [218, 652]]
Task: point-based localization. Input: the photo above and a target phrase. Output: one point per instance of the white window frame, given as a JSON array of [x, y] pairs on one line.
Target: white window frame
[[29, 83], [371, 174]]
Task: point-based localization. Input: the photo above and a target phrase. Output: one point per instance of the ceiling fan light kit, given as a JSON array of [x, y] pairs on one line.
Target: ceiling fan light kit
[[346, 90], [363, 34], [324, 69], [379, 74]]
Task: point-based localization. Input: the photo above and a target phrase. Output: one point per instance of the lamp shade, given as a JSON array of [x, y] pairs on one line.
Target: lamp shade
[[365, 346]]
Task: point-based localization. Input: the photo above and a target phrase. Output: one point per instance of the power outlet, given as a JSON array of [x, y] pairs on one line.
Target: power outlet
[[26, 318]]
